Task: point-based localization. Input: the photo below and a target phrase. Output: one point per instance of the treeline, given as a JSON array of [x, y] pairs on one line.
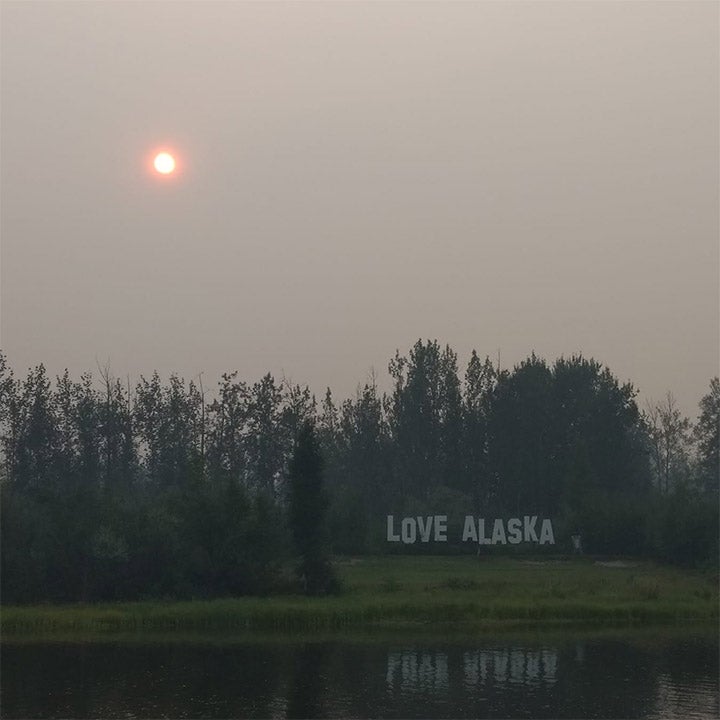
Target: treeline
[[163, 489]]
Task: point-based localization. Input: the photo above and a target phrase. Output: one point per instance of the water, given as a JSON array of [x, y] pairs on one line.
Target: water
[[628, 676]]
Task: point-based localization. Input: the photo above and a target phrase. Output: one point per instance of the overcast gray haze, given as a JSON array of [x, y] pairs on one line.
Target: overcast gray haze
[[355, 176]]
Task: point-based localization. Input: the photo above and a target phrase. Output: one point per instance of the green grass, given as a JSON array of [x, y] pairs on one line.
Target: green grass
[[413, 592]]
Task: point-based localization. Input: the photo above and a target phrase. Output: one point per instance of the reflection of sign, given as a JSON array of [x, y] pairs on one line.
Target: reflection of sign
[[495, 532], [422, 671], [515, 666]]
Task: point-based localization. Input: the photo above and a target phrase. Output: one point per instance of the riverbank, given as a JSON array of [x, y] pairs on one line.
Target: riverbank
[[415, 592]]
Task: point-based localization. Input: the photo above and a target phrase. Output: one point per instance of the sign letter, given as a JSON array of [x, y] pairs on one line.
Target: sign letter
[[441, 528], [424, 526], [408, 530], [530, 534], [514, 532], [498, 535], [546, 533], [481, 532], [392, 536], [469, 530]]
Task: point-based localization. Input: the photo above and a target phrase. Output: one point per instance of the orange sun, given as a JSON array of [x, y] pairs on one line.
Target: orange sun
[[164, 163]]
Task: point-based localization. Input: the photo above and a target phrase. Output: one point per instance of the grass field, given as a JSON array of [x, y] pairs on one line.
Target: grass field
[[415, 592]]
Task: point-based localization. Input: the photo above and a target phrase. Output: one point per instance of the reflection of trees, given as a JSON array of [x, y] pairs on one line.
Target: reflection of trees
[[620, 678], [309, 681], [700, 660], [573, 678], [157, 680]]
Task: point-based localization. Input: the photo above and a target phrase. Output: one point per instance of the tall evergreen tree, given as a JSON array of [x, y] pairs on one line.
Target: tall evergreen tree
[[707, 437], [451, 423], [308, 513], [364, 469], [520, 444], [480, 378], [329, 431], [267, 436], [227, 437], [416, 419]]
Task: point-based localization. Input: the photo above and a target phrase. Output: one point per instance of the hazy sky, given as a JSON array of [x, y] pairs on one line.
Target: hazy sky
[[524, 176]]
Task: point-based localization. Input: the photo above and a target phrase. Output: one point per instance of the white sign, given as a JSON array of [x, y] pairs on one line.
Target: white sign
[[496, 532]]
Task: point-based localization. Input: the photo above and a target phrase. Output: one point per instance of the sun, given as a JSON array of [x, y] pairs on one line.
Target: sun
[[164, 163]]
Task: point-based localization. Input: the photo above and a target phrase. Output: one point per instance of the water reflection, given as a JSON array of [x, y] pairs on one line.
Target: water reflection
[[522, 667], [637, 677], [309, 682], [418, 670]]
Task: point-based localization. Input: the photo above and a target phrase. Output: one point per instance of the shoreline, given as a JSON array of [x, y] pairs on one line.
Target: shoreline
[[416, 593]]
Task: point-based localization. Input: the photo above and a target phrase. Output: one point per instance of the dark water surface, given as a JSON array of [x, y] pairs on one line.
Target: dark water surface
[[572, 676]]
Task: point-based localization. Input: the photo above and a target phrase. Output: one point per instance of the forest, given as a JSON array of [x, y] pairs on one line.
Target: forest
[[170, 489]]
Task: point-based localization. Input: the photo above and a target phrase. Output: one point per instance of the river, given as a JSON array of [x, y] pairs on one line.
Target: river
[[622, 675]]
